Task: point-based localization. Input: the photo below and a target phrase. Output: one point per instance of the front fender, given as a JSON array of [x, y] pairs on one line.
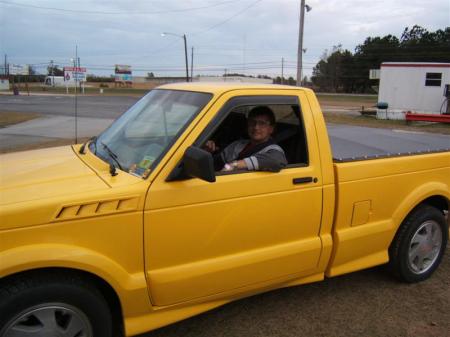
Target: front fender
[[130, 288]]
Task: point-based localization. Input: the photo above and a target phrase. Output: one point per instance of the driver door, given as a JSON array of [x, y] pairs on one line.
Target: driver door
[[244, 231]]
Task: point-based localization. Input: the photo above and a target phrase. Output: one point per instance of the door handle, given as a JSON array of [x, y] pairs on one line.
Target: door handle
[[304, 180]]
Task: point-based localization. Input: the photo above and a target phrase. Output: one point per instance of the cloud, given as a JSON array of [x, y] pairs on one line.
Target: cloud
[[266, 31]]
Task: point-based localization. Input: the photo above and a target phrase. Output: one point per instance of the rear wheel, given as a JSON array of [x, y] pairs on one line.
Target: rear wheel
[[52, 305], [419, 244]]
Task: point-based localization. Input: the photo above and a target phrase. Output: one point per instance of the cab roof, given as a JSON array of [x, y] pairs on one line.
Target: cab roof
[[220, 87]]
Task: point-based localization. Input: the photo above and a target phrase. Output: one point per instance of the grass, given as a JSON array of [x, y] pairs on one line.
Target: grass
[[43, 145], [347, 97], [347, 100], [87, 90], [11, 118]]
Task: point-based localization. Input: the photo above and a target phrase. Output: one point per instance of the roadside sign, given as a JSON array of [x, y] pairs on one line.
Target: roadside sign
[[123, 73], [74, 74], [19, 69]]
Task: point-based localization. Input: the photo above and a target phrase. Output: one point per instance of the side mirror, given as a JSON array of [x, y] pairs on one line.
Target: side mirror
[[198, 163]]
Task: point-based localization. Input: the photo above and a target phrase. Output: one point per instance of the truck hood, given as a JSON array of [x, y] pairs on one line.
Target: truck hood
[[41, 174]]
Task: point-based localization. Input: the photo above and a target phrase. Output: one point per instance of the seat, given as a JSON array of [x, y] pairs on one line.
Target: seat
[[289, 138]]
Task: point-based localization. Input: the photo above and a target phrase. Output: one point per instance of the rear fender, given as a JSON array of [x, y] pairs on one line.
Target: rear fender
[[415, 198]]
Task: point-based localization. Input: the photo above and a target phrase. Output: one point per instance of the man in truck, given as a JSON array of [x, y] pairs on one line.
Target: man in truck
[[259, 153]]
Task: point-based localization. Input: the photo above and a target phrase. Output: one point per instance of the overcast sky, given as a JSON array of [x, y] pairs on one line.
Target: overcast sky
[[245, 36]]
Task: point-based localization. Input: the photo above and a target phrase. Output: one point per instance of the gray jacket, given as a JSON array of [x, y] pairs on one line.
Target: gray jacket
[[269, 158]]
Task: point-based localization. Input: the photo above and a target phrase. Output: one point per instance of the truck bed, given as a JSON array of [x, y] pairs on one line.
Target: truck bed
[[352, 143]]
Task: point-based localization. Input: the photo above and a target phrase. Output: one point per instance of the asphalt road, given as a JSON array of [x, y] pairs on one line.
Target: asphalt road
[[63, 105], [95, 113]]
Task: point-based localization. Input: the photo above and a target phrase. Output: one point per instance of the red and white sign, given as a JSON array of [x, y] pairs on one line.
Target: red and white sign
[[72, 74]]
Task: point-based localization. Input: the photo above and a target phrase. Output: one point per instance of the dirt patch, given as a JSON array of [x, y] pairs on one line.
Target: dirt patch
[[11, 118]]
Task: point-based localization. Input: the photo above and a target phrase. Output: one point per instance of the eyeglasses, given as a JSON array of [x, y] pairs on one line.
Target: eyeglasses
[[258, 122]]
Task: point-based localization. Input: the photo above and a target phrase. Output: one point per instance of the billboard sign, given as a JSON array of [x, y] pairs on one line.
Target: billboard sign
[[123, 78], [72, 74], [19, 69], [122, 69], [123, 73]]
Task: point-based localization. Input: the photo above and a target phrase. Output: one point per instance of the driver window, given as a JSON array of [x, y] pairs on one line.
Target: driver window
[[258, 138]]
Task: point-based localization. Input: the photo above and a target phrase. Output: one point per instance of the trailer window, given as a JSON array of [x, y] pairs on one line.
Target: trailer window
[[433, 79]]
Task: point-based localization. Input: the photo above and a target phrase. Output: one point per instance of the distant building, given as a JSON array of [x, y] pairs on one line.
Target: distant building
[[233, 79], [158, 80], [413, 86]]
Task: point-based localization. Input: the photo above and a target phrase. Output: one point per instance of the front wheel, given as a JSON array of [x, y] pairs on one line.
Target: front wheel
[[52, 305], [419, 244]]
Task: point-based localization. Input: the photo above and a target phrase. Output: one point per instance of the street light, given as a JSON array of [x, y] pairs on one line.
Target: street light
[[300, 41], [185, 50]]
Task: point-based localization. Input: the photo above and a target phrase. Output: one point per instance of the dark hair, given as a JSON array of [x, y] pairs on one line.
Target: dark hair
[[262, 111]]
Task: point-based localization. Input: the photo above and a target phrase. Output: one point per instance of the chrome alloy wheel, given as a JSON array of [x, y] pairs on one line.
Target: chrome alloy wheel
[[49, 320], [424, 247]]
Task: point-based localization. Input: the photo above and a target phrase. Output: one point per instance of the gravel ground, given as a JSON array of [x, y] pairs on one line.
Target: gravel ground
[[368, 303]]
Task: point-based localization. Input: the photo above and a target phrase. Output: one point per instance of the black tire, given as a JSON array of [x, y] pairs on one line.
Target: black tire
[[419, 234], [68, 299]]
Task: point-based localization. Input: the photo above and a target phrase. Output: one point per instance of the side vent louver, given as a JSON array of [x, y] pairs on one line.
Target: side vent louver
[[97, 208]]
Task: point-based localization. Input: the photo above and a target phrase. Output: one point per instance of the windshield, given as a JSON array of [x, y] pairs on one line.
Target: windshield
[[135, 141]]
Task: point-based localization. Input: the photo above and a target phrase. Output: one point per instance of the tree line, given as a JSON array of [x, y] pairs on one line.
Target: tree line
[[343, 71]]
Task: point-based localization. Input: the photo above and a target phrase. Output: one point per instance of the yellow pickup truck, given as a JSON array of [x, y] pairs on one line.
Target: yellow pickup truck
[[137, 228]]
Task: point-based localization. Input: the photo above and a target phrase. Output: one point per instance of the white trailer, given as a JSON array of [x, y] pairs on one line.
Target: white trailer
[[54, 81], [413, 86]]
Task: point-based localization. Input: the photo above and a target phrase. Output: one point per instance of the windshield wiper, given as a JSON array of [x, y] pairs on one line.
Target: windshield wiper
[[113, 156], [92, 139]]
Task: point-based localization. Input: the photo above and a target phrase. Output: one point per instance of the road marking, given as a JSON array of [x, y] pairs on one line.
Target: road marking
[[406, 131]]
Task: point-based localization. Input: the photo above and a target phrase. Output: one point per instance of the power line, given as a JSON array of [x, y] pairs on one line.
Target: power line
[[116, 13], [226, 20]]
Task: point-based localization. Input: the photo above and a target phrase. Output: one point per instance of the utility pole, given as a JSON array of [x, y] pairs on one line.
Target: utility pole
[[185, 53], [243, 52], [282, 70], [300, 43], [53, 74], [6, 63], [192, 64], [76, 99]]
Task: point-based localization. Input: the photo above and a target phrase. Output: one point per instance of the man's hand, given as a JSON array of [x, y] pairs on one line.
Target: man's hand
[[235, 165]]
